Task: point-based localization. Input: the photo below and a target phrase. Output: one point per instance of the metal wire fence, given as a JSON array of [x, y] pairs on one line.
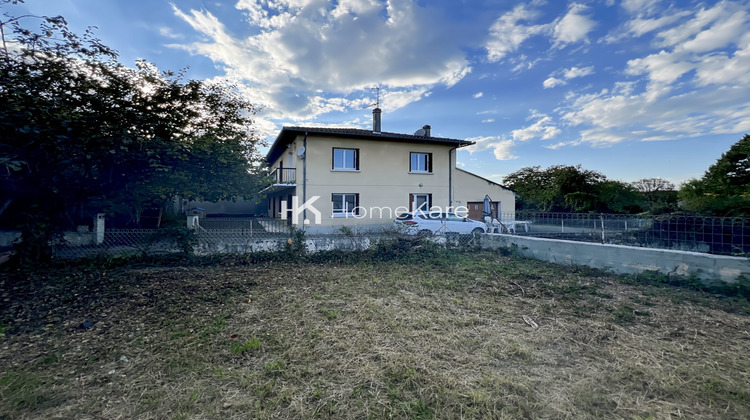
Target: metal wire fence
[[228, 235], [209, 234], [251, 226], [715, 235], [114, 242]]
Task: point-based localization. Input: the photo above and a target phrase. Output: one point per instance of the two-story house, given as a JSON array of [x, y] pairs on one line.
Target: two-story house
[[367, 177]]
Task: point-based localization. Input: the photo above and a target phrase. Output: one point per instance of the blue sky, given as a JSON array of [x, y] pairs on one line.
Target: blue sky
[[631, 88]]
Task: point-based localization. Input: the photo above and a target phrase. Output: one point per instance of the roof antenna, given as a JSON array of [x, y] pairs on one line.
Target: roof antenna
[[376, 112], [376, 88]]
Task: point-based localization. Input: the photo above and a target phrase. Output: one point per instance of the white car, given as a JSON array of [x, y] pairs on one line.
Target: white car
[[429, 223]]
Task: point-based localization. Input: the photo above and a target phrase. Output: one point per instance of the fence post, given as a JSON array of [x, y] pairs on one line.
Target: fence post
[[192, 221], [99, 228], [602, 219]]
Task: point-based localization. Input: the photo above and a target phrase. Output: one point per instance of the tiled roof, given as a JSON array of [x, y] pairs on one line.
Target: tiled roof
[[370, 133], [287, 134]]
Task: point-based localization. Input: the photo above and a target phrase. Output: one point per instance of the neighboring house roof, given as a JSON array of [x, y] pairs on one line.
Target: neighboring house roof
[[288, 134], [477, 176]]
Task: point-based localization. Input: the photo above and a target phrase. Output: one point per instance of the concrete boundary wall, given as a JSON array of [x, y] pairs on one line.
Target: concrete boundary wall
[[8, 238], [623, 259], [620, 259], [312, 245]]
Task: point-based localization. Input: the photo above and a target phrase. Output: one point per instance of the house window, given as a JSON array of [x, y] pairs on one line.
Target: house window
[[345, 159], [420, 202], [420, 163], [345, 205]]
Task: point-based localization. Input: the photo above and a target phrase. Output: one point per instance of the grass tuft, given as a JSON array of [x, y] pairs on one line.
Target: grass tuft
[[247, 346]]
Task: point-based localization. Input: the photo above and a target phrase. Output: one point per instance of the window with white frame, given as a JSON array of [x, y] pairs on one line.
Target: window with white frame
[[420, 163], [345, 159], [345, 205]]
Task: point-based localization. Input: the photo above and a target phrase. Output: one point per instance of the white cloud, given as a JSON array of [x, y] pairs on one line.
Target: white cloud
[[712, 99], [488, 120], [513, 28], [501, 148], [640, 6], [362, 123], [567, 74], [647, 16], [725, 68], [664, 67], [575, 72], [399, 98], [717, 54], [573, 27], [459, 71], [302, 58], [299, 48], [719, 35], [169, 33], [543, 128], [507, 33], [553, 82], [703, 18], [641, 26], [561, 144], [355, 7], [522, 62]]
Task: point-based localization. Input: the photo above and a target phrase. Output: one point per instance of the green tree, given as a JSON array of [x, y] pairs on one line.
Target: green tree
[[659, 195], [724, 189], [557, 188], [649, 185], [562, 188], [618, 197], [78, 127]]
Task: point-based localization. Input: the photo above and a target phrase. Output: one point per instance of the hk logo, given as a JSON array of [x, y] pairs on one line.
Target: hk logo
[[296, 210]]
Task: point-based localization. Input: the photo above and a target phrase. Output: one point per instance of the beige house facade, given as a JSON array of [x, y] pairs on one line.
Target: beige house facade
[[470, 191], [333, 177]]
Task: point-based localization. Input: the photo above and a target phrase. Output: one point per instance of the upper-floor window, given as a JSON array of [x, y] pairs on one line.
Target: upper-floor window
[[345, 159], [420, 163]]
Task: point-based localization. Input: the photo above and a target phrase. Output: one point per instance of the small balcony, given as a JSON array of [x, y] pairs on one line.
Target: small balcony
[[284, 176]]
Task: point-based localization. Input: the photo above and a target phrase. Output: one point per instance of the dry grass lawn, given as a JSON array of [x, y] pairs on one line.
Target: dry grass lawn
[[461, 336]]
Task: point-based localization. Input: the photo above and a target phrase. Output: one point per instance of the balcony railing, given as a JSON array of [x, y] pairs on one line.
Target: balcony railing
[[286, 176]]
